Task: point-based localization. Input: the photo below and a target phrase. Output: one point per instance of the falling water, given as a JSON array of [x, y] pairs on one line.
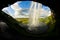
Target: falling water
[[34, 16]]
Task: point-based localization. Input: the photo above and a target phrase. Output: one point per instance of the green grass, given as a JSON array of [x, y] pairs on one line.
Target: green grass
[[46, 20], [22, 20]]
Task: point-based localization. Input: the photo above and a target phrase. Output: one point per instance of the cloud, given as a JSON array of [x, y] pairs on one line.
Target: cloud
[[5, 10], [19, 12], [45, 13], [16, 9]]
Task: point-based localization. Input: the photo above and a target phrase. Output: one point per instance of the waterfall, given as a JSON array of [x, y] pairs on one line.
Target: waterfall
[[34, 16]]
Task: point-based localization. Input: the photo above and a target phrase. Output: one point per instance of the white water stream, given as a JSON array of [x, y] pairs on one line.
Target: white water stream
[[34, 16]]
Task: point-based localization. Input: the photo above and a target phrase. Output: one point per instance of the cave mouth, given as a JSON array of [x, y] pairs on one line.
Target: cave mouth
[[42, 18]]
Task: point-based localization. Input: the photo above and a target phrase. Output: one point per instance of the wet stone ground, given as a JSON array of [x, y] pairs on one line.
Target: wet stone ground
[[40, 29]]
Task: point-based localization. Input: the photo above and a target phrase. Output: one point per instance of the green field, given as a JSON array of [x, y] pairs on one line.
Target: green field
[[22, 20], [45, 20]]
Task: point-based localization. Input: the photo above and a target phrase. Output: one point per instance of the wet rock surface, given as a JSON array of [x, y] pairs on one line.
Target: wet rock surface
[[3, 26], [4, 30], [39, 29]]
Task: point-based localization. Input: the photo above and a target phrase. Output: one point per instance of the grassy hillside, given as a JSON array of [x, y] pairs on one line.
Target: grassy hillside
[[45, 20], [22, 20]]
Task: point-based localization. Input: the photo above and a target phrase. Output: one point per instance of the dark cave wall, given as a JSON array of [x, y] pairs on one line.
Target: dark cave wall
[[52, 4]]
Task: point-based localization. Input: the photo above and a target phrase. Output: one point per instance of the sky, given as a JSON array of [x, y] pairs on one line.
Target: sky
[[23, 5]]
